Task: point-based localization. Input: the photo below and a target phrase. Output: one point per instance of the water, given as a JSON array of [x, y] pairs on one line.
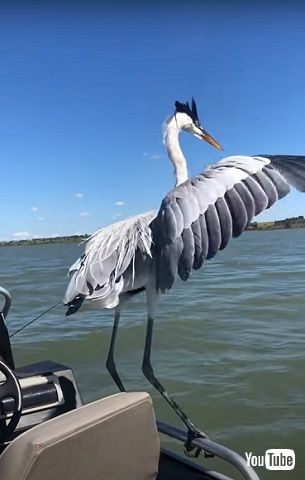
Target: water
[[229, 343]]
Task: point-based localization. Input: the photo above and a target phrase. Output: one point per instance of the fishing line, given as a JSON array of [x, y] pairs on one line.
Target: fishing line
[[34, 319]]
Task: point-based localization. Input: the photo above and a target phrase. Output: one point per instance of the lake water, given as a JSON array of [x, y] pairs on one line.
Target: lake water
[[228, 344]]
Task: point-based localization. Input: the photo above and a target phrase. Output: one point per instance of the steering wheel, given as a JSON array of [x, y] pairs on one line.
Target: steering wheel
[[10, 388]]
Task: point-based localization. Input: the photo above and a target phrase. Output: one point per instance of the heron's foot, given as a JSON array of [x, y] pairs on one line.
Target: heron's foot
[[189, 449]]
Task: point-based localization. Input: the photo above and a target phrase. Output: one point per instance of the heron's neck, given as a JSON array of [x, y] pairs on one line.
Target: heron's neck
[[171, 140]]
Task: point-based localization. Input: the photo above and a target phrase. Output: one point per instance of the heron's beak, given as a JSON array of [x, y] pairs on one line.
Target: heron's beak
[[203, 135]]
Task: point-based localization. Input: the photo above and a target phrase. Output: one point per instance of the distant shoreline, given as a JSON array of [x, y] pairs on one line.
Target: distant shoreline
[[287, 223], [45, 241], [294, 222]]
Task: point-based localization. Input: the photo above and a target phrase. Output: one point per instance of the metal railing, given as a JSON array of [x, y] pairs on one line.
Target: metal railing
[[207, 445]]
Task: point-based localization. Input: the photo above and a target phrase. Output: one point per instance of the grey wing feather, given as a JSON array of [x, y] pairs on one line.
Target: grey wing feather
[[238, 211], [186, 259], [179, 217], [171, 222], [186, 205], [216, 205], [247, 199], [282, 187], [167, 263], [204, 235], [291, 167], [258, 194], [267, 186], [213, 230], [225, 219], [198, 253]]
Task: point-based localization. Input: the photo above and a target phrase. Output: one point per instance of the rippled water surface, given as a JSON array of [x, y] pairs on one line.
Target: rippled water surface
[[229, 343]]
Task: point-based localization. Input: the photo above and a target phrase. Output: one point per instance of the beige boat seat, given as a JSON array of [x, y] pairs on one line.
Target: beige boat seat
[[114, 438]]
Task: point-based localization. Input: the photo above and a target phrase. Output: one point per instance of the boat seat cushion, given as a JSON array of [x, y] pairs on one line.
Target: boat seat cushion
[[114, 438]]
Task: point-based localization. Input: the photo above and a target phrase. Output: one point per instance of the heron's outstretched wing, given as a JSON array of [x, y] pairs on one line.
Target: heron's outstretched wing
[[109, 254], [200, 216]]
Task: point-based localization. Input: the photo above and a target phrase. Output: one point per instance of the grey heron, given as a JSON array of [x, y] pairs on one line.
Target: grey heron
[[195, 220]]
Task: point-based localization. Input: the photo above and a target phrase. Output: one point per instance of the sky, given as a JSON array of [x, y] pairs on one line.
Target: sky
[[85, 89]]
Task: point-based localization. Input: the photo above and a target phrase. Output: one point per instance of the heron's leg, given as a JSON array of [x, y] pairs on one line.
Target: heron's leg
[[150, 375], [110, 363], [147, 368]]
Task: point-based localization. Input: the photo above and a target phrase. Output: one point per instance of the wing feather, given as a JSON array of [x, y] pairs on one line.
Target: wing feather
[[291, 167], [267, 186], [186, 259], [170, 222], [225, 220], [213, 230], [247, 199], [198, 254], [238, 211], [282, 187], [218, 204], [179, 217], [258, 194]]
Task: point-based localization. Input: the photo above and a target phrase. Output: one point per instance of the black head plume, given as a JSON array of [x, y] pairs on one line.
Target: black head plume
[[190, 111]]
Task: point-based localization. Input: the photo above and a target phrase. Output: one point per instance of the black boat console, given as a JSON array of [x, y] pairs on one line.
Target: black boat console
[[48, 389], [31, 394]]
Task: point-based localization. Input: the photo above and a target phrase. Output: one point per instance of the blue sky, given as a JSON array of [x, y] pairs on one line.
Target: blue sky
[[85, 90]]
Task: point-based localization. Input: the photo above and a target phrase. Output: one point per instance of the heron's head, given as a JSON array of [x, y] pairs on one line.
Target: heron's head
[[187, 119]]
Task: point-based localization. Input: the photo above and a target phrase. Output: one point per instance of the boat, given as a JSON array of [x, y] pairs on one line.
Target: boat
[[46, 432]]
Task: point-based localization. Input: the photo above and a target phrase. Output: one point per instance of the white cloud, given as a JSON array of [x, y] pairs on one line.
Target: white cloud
[[40, 218], [23, 234], [35, 209], [117, 215], [119, 204], [79, 195], [155, 156], [84, 214]]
